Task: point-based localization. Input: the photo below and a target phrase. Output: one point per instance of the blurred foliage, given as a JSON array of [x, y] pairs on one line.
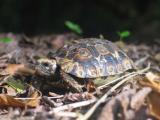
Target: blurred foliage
[[94, 16], [124, 34], [73, 27], [6, 40]]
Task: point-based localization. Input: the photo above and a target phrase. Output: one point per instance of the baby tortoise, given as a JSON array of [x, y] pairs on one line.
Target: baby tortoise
[[86, 59]]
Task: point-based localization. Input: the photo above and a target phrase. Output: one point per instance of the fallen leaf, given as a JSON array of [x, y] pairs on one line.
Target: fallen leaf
[[154, 104], [139, 98], [34, 96], [75, 97], [35, 99], [126, 105], [9, 90], [152, 80], [157, 56], [58, 42], [18, 69], [152, 77], [13, 68], [9, 101]]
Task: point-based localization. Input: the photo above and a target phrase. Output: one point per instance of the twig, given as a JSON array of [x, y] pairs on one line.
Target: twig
[[56, 96], [74, 105], [28, 98], [3, 61], [5, 79], [138, 62], [52, 103], [103, 98], [122, 77], [115, 80], [8, 56], [66, 114]]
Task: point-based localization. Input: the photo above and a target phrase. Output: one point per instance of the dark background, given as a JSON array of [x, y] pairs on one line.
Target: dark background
[[32, 17]]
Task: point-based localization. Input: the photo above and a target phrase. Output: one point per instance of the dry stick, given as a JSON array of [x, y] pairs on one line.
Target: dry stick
[[28, 98], [122, 77], [103, 98], [141, 60], [50, 102], [74, 105], [66, 114], [115, 80], [7, 56], [5, 79]]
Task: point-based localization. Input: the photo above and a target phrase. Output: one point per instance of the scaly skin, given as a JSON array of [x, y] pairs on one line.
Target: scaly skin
[[74, 85]]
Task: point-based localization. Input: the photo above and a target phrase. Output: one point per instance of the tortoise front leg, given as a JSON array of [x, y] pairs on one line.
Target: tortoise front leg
[[75, 87]]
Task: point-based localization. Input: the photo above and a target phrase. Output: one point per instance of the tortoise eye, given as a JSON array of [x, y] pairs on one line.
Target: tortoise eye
[[45, 64]]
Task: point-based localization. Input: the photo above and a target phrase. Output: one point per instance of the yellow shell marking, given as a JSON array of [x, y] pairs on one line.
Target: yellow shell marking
[[67, 65], [101, 49]]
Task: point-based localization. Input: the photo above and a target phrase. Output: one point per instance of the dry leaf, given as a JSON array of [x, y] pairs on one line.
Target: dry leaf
[[35, 101], [10, 91], [8, 101], [18, 68], [154, 104], [13, 68], [151, 76], [78, 97], [157, 57], [152, 80], [126, 105], [139, 98]]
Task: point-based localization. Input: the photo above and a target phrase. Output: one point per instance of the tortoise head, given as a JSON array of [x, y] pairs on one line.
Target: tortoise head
[[46, 66]]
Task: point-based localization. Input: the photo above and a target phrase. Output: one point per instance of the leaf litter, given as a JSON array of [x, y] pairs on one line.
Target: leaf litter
[[25, 94]]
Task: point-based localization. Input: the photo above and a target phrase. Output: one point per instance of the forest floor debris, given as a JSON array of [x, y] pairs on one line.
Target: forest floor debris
[[24, 94]]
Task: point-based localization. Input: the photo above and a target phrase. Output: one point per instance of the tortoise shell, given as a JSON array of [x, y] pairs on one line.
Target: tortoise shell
[[91, 58]]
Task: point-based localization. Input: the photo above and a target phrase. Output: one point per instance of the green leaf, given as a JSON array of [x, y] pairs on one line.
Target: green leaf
[[6, 40], [16, 84], [74, 27], [124, 34]]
